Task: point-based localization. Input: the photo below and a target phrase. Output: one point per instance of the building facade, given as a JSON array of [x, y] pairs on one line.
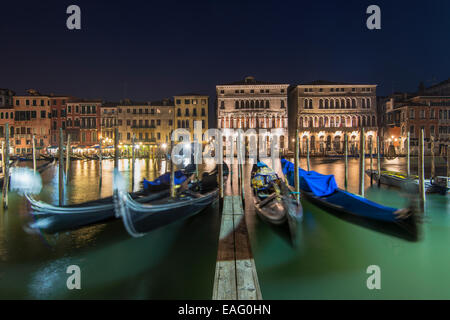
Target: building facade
[[412, 114], [253, 104], [325, 111], [58, 106], [6, 113], [108, 122], [189, 108], [83, 122], [32, 115], [151, 123]]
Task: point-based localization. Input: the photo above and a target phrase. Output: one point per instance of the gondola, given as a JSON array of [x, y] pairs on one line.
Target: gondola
[[274, 202], [322, 190], [141, 218], [54, 219], [411, 183]]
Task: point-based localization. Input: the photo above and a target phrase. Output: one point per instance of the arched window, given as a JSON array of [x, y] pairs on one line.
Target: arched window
[[326, 104], [305, 104], [368, 103], [354, 103], [252, 104], [310, 103], [247, 104], [242, 104], [300, 122], [320, 104], [332, 122], [236, 104], [282, 103], [332, 104], [363, 103], [348, 104], [342, 103], [179, 110], [267, 104], [321, 122], [337, 104], [186, 113], [257, 104]]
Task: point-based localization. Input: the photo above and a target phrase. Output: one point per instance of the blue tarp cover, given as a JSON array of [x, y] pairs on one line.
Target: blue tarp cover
[[320, 185], [165, 179]]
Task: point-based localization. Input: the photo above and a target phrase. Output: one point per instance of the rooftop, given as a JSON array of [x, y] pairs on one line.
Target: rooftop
[[249, 81]]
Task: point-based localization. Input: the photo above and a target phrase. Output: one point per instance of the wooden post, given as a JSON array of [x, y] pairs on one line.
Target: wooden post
[[433, 164], [448, 160], [362, 158], [61, 167], [371, 161], [67, 158], [308, 166], [272, 154], [100, 164], [408, 155], [296, 167], [6, 172], [133, 160], [346, 161], [34, 153], [378, 161], [172, 172], [220, 163], [422, 170], [116, 149], [3, 156]]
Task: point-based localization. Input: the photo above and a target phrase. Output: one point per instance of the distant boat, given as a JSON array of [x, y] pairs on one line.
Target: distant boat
[[411, 183]]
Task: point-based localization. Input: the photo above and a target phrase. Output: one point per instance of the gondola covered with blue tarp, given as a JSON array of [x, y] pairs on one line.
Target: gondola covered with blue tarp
[[323, 191]]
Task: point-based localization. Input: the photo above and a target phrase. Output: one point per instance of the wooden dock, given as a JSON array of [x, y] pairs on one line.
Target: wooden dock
[[235, 277]]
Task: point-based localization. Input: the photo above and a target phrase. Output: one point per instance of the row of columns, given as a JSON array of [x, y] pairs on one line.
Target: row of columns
[[277, 121]]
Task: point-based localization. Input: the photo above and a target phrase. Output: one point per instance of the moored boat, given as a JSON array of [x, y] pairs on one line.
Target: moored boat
[[274, 202], [323, 191]]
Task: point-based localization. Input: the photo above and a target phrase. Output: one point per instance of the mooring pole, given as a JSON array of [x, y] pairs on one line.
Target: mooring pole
[[346, 161], [272, 153], [61, 167], [100, 165], [67, 158], [362, 158], [378, 161], [448, 161], [172, 171], [422, 170], [3, 156], [408, 154], [433, 164], [296, 167], [220, 163], [116, 149], [371, 161], [308, 165], [133, 159], [6, 172], [34, 153]]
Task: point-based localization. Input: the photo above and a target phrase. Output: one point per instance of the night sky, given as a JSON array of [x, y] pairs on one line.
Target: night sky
[[150, 50]]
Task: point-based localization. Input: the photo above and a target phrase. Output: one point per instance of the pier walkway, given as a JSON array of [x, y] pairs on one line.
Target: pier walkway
[[235, 277]]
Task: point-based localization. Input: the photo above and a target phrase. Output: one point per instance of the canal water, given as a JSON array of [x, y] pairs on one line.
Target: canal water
[[178, 261]]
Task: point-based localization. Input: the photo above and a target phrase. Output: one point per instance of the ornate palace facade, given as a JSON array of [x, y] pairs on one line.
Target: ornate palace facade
[[325, 111], [252, 104]]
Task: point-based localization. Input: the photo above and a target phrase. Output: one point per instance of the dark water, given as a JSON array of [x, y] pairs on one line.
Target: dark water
[[178, 261]]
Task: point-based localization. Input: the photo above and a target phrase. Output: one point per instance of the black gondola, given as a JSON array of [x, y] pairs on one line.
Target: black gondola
[[54, 219], [141, 218], [274, 201]]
